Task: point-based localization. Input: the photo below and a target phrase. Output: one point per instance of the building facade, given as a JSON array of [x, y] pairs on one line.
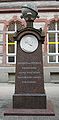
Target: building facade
[[10, 22]]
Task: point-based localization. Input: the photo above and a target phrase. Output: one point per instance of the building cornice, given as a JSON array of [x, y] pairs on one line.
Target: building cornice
[[14, 10], [39, 4], [43, 6]]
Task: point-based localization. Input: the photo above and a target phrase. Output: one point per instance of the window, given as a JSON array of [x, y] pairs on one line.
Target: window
[[53, 42], [10, 43]]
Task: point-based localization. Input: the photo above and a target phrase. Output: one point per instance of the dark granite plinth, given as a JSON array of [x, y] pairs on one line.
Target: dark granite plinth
[[29, 101], [49, 111]]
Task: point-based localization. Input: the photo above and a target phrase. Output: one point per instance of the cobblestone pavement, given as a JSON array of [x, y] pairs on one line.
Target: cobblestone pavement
[[7, 91]]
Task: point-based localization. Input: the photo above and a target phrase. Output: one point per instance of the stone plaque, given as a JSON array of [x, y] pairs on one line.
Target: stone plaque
[[29, 82]]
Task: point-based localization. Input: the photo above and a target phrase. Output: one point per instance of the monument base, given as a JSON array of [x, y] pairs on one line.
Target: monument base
[[29, 101], [49, 111]]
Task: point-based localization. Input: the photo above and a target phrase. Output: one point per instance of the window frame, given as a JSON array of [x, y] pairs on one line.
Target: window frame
[[15, 43], [56, 43]]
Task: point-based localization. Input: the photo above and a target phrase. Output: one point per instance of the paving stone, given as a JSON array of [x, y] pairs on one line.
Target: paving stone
[[24, 118], [1, 117], [30, 118], [20, 118], [34, 118], [54, 118], [10, 118], [43, 118]]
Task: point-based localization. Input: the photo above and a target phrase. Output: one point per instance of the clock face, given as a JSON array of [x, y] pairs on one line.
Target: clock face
[[29, 43]]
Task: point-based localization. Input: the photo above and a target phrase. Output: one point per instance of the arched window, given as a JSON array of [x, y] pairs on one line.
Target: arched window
[[53, 42], [10, 43]]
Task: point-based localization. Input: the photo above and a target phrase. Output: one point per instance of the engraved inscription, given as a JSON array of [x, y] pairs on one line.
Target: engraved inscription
[[29, 72], [23, 63], [28, 67], [28, 81], [22, 72], [24, 77]]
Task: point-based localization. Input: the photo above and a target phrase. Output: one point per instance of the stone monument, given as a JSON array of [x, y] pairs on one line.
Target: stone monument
[[29, 83], [29, 97]]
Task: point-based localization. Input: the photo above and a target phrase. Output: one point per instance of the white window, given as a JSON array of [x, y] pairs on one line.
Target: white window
[[10, 43], [53, 42]]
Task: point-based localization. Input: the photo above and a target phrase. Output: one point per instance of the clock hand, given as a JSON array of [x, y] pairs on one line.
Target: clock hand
[[28, 43]]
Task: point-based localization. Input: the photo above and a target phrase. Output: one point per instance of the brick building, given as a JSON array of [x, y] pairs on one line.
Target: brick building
[[10, 22]]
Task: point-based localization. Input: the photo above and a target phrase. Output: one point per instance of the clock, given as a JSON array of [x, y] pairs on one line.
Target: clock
[[29, 43]]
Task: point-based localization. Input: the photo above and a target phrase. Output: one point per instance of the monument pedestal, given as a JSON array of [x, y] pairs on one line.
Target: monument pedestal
[[49, 111], [29, 101]]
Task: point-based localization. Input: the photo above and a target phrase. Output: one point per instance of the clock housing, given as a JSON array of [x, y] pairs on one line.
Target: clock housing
[[29, 43]]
